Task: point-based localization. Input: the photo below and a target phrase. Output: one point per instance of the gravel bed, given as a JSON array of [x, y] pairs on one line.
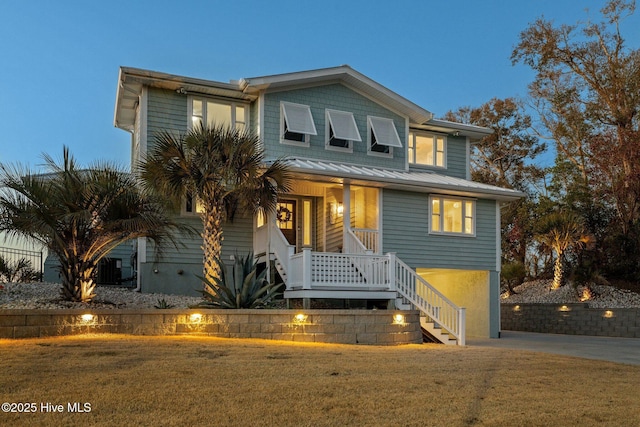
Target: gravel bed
[[47, 296], [539, 291]]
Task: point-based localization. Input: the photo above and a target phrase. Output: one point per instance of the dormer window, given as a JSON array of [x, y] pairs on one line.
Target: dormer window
[[383, 136], [215, 112], [297, 124], [340, 130], [427, 149]]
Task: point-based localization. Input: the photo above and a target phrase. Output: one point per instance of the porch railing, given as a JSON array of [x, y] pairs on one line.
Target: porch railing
[[368, 237], [428, 300], [327, 269]]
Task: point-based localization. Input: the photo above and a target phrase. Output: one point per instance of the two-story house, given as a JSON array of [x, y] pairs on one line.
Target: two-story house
[[382, 210]]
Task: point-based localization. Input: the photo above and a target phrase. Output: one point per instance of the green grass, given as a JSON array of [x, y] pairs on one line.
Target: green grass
[[230, 382]]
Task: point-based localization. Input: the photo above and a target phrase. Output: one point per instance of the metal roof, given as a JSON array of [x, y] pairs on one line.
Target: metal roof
[[422, 181]]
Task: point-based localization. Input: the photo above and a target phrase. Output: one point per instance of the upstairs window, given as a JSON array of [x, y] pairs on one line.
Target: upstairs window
[[452, 216], [296, 124], [340, 130], [427, 149], [383, 136], [192, 205], [213, 112]]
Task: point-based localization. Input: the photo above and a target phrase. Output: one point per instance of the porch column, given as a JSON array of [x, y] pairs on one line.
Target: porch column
[[346, 210], [306, 268]]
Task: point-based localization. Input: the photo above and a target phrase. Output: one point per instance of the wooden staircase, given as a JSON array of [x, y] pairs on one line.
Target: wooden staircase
[[432, 332]]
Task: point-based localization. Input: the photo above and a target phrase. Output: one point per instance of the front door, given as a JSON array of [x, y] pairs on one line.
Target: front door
[[286, 215]]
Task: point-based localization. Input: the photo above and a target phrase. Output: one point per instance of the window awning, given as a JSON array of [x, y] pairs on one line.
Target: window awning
[[385, 132], [343, 125], [299, 118]]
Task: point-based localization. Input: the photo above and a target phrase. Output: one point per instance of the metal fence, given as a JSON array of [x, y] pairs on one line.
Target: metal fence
[[21, 265]]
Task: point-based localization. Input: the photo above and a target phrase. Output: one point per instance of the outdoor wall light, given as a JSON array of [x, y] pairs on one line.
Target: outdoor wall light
[[516, 308], [564, 308], [300, 318], [337, 211], [195, 317], [608, 314], [398, 319], [87, 317]]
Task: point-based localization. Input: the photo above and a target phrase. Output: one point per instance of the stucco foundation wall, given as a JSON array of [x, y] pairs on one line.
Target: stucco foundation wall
[[468, 289], [379, 327], [571, 319]]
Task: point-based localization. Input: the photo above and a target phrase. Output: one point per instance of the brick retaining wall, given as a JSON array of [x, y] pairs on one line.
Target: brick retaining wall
[[381, 327], [571, 319]]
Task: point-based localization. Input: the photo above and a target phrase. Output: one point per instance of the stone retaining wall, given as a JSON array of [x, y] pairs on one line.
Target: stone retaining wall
[[571, 319], [381, 327]]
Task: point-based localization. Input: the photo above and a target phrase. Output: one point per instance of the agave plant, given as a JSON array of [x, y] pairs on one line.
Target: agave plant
[[245, 288]]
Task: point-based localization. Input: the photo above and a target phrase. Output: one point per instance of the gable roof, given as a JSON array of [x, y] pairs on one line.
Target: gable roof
[[342, 74]]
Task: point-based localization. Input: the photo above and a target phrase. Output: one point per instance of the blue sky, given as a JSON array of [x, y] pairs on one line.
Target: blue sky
[[60, 60]]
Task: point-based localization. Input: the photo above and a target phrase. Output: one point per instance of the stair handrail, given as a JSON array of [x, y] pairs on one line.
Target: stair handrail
[[281, 247], [353, 245], [429, 300]]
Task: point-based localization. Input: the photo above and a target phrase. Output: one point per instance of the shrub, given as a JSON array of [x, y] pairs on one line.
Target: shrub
[[245, 288]]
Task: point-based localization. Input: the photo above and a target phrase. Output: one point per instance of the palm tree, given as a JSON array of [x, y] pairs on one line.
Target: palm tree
[[561, 231], [79, 215], [224, 169]]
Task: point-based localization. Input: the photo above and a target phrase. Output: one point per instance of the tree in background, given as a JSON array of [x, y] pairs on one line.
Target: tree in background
[[587, 90], [79, 215], [506, 158], [224, 170]]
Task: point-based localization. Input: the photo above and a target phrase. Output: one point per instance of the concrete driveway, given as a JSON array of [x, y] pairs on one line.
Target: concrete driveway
[[620, 350]]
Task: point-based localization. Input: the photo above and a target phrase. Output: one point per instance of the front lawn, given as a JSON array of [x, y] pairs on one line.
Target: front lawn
[[176, 380]]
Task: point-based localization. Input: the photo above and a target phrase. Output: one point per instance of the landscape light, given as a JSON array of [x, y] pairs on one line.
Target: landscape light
[[195, 317], [87, 317], [398, 319], [300, 318]]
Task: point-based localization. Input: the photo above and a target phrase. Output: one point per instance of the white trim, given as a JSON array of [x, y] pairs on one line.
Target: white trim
[[339, 131], [385, 131], [468, 158], [498, 239], [441, 231], [434, 136], [380, 221]]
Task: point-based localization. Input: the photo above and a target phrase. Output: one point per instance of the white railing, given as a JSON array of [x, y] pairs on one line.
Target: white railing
[[281, 248], [368, 237], [329, 269], [353, 245], [428, 300]]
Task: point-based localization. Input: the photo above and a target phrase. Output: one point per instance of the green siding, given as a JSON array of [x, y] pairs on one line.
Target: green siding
[[406, 232], [166, 110], [456, 158], [336, 97]]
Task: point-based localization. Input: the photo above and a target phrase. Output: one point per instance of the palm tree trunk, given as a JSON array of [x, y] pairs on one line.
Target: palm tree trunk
[[212, 240], [558, 273], [78, 281]]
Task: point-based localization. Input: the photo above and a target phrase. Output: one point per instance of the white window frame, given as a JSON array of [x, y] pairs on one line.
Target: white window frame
[[232, 104], [464, 216], [372, 122], [412, 153], [329, 128], [196, 207], [283, 118]]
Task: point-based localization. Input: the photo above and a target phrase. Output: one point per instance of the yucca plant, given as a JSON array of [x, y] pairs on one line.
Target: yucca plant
[[245, 288]]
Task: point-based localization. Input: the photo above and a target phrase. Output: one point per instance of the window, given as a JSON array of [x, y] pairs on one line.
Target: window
[[427, 149], [297, 124], [219, 113], [383, 136], [192, 205], [449, 215], [340, 130]]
